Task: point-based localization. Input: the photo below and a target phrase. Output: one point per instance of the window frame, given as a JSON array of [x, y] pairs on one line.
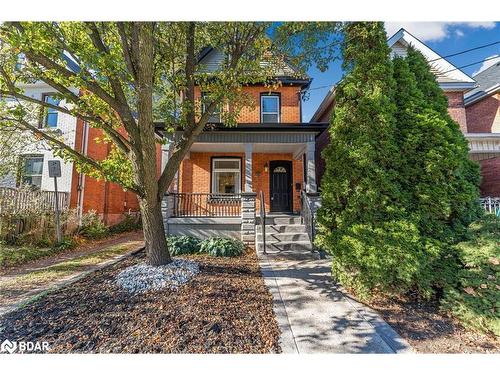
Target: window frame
[[23, 174], [45, 112], [262, 113], [213, 170], [218, 114]]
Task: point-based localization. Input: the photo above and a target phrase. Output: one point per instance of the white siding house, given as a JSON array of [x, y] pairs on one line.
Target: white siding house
[[34, 158]]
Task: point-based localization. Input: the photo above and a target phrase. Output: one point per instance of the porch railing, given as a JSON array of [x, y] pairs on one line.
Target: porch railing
[[262, 214], [491, 205], [310, 202], [205, 205]]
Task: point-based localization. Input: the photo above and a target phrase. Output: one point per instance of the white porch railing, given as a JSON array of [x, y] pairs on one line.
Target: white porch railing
[[491, 205]]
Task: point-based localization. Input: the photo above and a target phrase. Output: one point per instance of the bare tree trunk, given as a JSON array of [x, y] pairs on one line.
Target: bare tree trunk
[[144, 158], [154, 233]]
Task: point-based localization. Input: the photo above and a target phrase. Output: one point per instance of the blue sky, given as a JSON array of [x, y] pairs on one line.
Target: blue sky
[[443, 37]]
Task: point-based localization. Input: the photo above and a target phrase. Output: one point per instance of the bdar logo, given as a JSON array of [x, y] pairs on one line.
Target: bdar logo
[[8, 346]]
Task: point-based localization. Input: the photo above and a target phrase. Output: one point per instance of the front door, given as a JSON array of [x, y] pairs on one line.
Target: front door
[[280, 185]]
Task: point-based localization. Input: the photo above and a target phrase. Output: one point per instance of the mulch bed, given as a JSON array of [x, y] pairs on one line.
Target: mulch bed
[[428, 330], [226, 308]]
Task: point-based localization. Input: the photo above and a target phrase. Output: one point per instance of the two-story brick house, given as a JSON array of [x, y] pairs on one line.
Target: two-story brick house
[[269, 154]]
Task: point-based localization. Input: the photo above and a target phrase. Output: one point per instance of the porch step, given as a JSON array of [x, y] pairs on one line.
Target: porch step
[[283, 228], [283, 237], [282, 219], [285, 234], [280, 246]]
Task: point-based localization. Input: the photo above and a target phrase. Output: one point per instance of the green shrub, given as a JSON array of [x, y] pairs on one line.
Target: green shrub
[[92, 226], [475, 299], [128, 224], [222, 247], [178, 245]]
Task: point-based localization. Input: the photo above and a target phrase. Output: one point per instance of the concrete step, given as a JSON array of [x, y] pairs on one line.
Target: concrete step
[[281, 220], [283, 237], [283, 228], [280, 246]]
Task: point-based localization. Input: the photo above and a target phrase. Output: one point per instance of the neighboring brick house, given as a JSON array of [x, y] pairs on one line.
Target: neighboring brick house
[[455, 84], [482, 106]]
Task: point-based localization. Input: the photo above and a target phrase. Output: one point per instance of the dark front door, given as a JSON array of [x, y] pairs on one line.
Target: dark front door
[[280, 185]]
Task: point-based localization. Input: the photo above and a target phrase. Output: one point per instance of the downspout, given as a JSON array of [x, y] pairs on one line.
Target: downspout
[[81, 176]]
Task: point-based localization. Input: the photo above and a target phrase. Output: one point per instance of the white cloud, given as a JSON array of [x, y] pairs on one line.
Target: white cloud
[[487, 64], [459, 33], [434, 31]]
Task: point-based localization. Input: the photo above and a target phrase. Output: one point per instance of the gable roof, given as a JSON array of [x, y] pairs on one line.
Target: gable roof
[[488, 83], [448, 76], [211, 59]]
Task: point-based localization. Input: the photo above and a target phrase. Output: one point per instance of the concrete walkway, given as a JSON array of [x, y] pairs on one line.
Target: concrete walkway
[[316, 316]]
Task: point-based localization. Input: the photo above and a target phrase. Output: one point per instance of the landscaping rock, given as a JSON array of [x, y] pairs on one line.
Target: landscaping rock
[[143, 277]]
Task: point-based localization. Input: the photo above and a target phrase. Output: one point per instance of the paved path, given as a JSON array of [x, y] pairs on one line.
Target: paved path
[[316, 316]]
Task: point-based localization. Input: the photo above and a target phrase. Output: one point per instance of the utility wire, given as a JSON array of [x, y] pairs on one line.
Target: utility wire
[[474, 63], [465, 51], [448, 71]]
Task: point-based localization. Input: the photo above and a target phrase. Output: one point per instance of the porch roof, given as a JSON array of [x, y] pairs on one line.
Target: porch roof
[[256, 132]]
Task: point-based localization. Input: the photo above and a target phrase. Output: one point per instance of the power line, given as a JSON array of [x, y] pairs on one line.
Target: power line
[[474, 63], [448, 71], [465, 51]]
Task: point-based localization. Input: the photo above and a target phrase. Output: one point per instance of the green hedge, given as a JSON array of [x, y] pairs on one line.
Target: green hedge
[[475, 300]]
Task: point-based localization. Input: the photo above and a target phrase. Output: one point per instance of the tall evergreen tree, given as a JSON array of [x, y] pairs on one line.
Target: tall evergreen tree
[[362, 222], [444, 182], [398, 188]]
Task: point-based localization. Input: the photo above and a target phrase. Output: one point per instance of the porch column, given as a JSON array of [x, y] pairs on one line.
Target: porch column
[[248, 167], [311, 168]]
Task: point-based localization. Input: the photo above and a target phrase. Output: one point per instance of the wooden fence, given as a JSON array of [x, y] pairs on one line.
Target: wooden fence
[[24, 201]]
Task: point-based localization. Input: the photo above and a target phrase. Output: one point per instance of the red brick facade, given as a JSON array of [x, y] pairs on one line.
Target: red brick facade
[[490, 177], [484, 117], [289, 101], [108, 199]]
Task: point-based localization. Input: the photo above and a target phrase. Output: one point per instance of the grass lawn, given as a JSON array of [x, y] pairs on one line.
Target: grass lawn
[[15, 255], [226, 308]]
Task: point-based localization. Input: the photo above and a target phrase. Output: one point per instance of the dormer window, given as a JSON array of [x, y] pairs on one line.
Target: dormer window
[[51, 115], [269, 108]]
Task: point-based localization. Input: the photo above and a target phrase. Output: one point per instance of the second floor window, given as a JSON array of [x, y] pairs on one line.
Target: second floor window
[[50, 114], [215, 116], [269, 108], [31, 170]]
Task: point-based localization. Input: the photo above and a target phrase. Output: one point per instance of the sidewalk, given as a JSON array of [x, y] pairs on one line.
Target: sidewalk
[[316, 316], [21, 287]]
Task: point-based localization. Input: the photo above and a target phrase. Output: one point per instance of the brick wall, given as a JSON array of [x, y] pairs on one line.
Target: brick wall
[[195, 173], [289, 99], [484, 115], [456, 108], [106, 198], [490, 177]]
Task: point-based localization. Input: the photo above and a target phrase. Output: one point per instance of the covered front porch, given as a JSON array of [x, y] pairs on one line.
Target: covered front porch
[[229, 175]]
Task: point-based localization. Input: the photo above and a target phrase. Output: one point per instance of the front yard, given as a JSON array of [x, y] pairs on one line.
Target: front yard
[[226, 308]]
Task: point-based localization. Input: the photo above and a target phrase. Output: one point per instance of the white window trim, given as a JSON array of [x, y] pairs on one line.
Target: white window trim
[[214, 170], [262, 113], [32, 156]]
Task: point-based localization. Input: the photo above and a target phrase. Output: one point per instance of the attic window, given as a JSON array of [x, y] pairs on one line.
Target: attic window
[[269, 108]]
